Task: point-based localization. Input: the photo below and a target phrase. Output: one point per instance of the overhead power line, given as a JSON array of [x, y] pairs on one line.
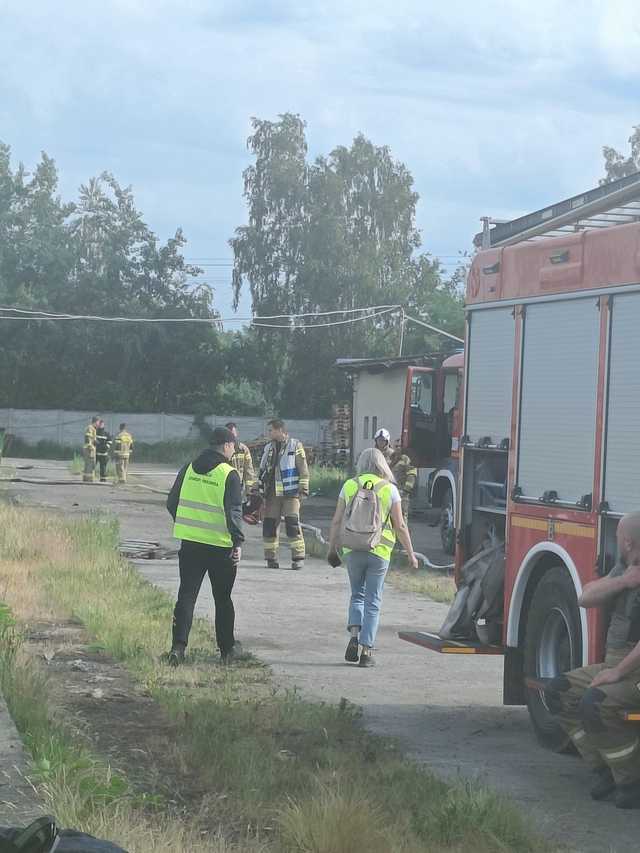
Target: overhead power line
[[366, 314]]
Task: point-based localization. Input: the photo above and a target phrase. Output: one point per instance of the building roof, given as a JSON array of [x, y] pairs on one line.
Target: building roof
[[615, 203], [379, 365]]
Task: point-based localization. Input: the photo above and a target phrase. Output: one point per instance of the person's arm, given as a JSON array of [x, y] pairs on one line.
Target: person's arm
[[303, 470], [335, 526], [174, 495], [249, 473], [616, 673], [233, 508], [599, 592], [402, 532], [410, 480]]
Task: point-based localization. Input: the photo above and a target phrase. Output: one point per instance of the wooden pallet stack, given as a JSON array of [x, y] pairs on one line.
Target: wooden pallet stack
[[341, 433]]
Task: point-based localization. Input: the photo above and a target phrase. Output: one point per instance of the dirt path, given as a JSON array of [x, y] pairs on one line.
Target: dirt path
[[446, 712]]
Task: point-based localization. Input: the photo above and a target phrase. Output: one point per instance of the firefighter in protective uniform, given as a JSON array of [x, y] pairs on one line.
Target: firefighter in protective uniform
[[242, 461], [89, 451], [382, 441], [590, 702], [103, 443], [284, 481], [122, 447], [405, 474]]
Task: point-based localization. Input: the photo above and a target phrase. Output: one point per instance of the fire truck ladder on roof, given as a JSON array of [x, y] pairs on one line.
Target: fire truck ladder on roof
[[615, 203]]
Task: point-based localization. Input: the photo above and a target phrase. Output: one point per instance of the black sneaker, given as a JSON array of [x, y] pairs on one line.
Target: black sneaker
[[366, 658], [273, 564], [296, 565], [235, 653], [605, 784], [176, 656], [628, 796], [351, 653]]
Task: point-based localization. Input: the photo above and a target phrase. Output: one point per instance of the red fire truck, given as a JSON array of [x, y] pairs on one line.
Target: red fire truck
[[548, 459]]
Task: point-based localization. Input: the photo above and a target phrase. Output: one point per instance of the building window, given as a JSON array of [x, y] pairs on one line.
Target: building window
[[366, 428], [374, 426]]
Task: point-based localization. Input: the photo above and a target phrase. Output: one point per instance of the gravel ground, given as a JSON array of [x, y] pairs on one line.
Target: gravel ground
[[446, 712]]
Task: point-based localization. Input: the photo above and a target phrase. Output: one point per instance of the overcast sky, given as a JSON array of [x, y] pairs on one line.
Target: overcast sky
[[496, 107]]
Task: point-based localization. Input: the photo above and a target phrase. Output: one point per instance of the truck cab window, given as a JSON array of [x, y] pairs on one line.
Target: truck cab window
[[422, 394]]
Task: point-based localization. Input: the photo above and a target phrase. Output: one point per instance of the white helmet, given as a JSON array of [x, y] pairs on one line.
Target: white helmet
[[383, 433]]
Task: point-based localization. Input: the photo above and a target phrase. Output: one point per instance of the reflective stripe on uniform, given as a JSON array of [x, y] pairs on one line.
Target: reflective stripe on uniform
[[201, 506], [619, 754]]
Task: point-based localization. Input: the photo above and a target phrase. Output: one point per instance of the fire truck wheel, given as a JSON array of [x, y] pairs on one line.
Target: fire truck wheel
[[447, 529], [552, 645]]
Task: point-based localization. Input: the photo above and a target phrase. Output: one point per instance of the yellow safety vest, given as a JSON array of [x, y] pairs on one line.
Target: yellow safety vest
[[350, 490], [200, 516]]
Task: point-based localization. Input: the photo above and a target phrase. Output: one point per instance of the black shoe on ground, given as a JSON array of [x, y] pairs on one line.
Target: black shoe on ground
[[176, 656], [273, 564], [604, 786], [351, 653], [296, 565], [235, 653], [628, 796], [366, 658]]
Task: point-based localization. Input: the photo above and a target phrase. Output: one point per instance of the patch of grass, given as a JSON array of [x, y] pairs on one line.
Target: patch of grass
[[76, 466], [284, 773], [175, 452], [326, 482], [433, 585]]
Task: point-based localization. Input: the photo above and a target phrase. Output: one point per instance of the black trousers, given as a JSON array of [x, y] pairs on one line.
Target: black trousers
[[195, 561], [102, 462]]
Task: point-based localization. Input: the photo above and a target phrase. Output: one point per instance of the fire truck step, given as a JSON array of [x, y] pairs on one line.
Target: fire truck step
[[448, 647]]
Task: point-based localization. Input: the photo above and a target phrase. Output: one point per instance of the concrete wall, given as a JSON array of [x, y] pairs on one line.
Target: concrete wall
[[67, 428], [379, 396]]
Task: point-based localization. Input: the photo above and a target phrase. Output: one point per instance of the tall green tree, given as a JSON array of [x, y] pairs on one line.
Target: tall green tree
[[97, 256], [338, 233]]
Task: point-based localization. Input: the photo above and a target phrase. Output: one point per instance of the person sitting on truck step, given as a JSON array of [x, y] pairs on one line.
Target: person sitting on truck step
[[590, 702]]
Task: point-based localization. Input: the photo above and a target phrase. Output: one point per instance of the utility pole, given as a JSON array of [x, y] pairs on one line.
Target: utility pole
[[402, 321]]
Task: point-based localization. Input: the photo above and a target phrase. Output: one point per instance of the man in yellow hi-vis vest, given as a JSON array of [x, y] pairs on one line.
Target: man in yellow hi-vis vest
[[205, 503]]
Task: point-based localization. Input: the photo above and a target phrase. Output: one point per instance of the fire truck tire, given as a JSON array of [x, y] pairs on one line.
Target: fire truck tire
[[447, 528], [552, 645]]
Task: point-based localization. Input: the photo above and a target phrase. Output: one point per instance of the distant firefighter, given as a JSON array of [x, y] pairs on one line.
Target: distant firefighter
[[103, 443], [122, 447], [89, 451]]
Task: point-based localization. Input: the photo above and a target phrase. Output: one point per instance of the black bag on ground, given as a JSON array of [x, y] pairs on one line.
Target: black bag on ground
[[479, 597], [43, 836]]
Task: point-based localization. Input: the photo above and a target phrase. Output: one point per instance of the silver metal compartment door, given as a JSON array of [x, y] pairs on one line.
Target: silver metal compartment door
[[490, 383], [559, 389], [622, 456]]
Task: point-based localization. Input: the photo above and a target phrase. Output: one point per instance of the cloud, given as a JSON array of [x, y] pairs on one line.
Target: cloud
[[496, 107]]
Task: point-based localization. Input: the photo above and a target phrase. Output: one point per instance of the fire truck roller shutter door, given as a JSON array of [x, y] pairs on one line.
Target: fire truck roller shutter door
[[622, 460], [490, 383], [559, 392]]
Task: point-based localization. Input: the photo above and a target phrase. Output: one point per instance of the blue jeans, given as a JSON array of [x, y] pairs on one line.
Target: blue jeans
[[366, 573]]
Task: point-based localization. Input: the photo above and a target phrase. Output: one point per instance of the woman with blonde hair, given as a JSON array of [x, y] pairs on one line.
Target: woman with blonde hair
[[368, 568]]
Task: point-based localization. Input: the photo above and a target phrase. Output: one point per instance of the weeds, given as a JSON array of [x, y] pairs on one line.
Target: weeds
[[326, 481], [281, 774]]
